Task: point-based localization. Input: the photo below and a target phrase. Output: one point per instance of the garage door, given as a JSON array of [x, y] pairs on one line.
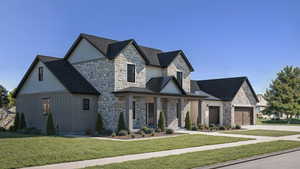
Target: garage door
[[214, 115], [243, 115]]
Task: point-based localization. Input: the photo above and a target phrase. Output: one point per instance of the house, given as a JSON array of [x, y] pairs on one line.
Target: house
[[261, 106], [99, 75]]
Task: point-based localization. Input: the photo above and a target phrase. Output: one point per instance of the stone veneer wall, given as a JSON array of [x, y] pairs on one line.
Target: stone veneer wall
[[179, 64]]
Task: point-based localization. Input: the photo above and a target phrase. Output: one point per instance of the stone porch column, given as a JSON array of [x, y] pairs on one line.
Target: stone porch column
[[157, 109], [182, 114], [128, 114]]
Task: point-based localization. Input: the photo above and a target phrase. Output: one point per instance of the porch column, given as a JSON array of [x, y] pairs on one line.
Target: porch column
[[129, 100], [182, 115], [157, 109]]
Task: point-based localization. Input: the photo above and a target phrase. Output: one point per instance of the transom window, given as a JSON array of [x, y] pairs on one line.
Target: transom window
[[86, 104], [130, 73], [41, 73], [179, 78]]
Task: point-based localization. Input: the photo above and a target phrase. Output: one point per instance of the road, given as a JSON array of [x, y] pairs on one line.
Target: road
[[284, 161]]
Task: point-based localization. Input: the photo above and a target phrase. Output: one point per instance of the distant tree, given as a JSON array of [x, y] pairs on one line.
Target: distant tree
[[188, 123], [99, 123], [121, 124], [50, 130], [161, 121], [23, 121], [11, 99], [16, 125], [3, 97], [283, 95]]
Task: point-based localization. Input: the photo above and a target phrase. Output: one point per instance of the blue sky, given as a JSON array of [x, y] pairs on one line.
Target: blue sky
[[221, 38]]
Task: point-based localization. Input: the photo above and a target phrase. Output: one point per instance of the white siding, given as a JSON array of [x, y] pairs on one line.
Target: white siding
[[153, 72], [49, 83], [84, 52], [171, 88]]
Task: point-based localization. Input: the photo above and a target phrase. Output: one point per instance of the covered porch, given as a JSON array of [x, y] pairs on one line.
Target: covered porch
[[143, 109]]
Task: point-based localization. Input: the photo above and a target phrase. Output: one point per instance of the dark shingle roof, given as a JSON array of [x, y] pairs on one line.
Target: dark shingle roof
[[195, 90], [156, 84], [224, 89], [70, 78], [111, 48]]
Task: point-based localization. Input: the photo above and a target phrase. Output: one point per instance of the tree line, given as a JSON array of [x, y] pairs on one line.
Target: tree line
[[6, 97]]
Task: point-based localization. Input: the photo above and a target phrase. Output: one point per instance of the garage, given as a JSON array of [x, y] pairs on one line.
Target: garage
[[243, 115], [214, 115]]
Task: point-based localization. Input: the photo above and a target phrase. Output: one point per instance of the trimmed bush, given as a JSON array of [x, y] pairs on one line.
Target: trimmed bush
[[188, 124], [23, 121], [195, 128], [222, 128], [161, 121], [238, 126], [157, 130], [132, 136], [113, 134], [169, 131], [147, 130], [121, 124], [16, 125], [99, 123], [123, 133], [50, 129]]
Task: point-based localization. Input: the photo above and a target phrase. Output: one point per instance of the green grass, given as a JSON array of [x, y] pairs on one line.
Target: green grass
[[291, 122], [203, 158], [271, 133], [20, 150]]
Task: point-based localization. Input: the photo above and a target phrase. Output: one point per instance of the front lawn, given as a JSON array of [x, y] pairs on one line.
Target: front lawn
[[271, 133], [291, 122], [203, 158], [20, 150]]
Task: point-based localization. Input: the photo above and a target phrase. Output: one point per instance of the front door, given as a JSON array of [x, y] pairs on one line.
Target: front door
[[214, 115], [150, 115]]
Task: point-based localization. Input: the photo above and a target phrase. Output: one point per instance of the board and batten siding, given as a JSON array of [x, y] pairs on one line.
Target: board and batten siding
[[49, 83], [66, 108]]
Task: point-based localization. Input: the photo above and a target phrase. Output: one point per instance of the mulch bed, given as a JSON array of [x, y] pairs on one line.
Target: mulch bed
[[134, 136]]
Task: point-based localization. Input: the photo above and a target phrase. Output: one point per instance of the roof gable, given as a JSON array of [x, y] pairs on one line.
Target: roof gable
[[224, 89], [166, 58], [157, 84]]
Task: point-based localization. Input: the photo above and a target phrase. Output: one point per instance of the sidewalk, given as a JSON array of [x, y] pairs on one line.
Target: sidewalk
[[119, 159]]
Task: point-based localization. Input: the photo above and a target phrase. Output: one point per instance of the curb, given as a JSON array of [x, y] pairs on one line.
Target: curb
[[244, 160]]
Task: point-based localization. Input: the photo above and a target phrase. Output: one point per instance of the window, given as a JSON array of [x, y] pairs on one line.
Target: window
[[179, 78], [86, 104], [41, 71], [130, 73], [46, 106], [133, 110]]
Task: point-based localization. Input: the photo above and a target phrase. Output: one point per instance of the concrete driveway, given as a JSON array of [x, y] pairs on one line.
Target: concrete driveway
[[284, 161], [273, 127]]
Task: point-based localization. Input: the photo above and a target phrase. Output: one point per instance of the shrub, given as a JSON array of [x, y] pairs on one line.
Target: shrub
[[123, 133], [121, 124], [195, 127], [99, 123], [161, 121], [238, 126], [157, 130], [50, 129], [188, 124], [143, 135], [2, 129], [222, 128], [23, 121], [201, 127], [169, 131], [16, 125], [113, 134], [105, 132], [152, 134], [132, 136], [147, 130]]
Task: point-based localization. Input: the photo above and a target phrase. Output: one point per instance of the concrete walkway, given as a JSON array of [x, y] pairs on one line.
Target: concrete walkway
[[273, 127], [118, 159]]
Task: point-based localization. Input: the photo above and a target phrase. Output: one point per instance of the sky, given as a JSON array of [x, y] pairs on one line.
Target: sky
[[221, 38]]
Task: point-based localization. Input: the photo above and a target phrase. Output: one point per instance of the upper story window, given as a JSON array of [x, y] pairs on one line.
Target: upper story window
[[179, 78], [130, 73], [86, 104], [41, 73]]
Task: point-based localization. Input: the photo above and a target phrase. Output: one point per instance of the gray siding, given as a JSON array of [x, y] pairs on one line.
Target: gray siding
[[65, 107]]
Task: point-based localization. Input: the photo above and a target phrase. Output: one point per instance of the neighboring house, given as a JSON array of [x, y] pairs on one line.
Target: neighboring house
[[261, 105], [99, 75]]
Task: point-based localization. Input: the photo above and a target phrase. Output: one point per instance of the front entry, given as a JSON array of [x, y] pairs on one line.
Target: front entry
[[214, 115], [150, 118]]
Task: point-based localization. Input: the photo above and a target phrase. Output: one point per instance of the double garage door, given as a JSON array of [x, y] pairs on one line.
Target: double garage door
[[243, 115]]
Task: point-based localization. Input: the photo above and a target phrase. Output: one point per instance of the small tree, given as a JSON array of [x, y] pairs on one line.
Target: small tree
[[121, 124], [99, 123], [16, 125], [188, 124], [23, 121], [50, 125], [161, 121], [11, 99]]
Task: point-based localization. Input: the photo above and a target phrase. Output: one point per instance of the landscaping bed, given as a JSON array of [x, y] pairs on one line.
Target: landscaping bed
[[270, 133], [204, 158], [24, 150]]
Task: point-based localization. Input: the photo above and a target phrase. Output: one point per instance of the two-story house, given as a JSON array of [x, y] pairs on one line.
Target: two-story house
[[99, 75]]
